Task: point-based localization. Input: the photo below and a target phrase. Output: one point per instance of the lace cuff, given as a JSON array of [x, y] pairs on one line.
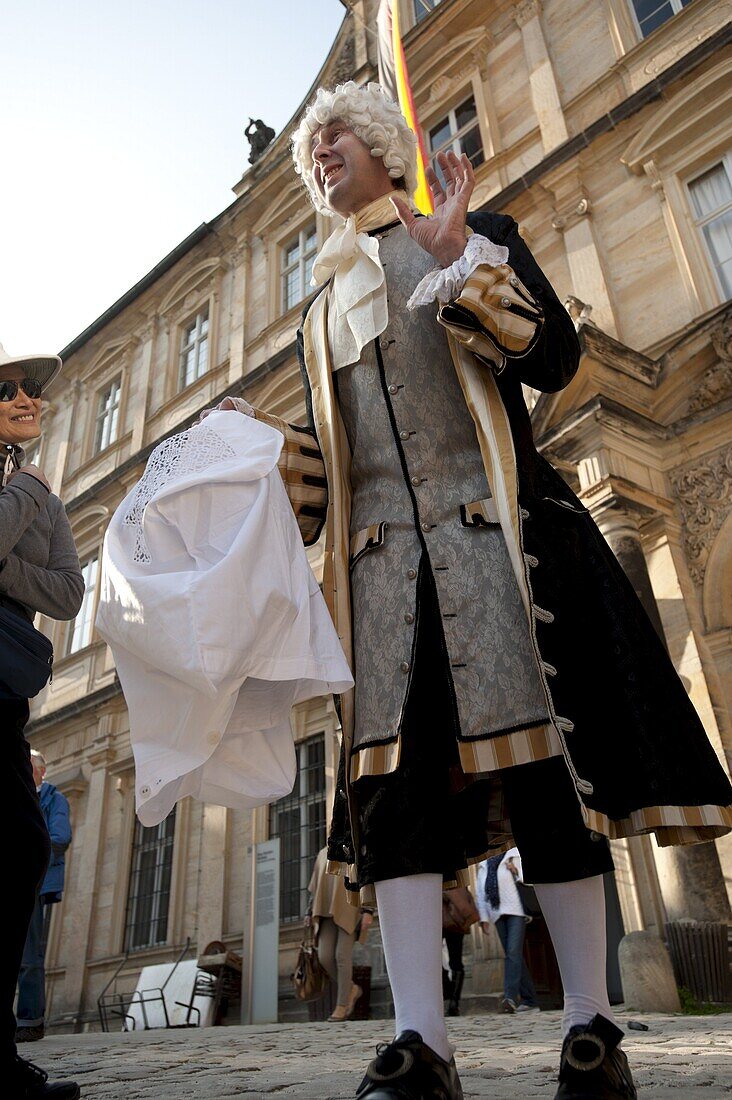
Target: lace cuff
[[443, 284]]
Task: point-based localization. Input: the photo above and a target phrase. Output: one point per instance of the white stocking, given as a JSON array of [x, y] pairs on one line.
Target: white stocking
[[575, 916], [410, 918]]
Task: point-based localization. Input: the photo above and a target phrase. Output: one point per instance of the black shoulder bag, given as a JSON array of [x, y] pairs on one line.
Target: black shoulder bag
[[26, 657]]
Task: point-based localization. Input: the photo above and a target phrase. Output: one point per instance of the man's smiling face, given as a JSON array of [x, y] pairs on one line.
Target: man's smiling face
[[345, 173]]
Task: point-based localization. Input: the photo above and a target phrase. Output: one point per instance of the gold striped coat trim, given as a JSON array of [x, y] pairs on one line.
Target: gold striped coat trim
[[495, 313]]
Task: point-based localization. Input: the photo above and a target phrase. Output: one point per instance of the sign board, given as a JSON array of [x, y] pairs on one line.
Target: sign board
[[261, 974]]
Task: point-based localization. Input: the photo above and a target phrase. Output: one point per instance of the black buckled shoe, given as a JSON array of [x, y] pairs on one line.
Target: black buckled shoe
[[27, 1082], [408, 1069], [592, 1066]]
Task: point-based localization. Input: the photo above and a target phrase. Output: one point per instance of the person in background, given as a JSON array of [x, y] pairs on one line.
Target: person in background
[[499, 903], [459, 914], [31, 1007], [39, 572], [337, 925]]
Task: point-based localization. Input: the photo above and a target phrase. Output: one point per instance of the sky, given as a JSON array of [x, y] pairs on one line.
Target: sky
[[121, 130]]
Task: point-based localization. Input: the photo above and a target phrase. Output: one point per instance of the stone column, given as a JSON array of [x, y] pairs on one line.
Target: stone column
[[212, 876], [691, 880], [620, 529], [239, 268], [78, 922], [544, 91], [137, 416], [573, 219]]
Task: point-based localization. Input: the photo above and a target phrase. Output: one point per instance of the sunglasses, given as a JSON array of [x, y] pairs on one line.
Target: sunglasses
[[31, 387]]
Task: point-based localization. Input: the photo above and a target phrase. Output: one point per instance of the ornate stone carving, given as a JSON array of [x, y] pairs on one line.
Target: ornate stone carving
[[526, 10], [581, 209], [259, 135], [716, 383], [440, 88], [346, 63], [721, 338], [579, 311], [705, 499], [651, 170], [689, 37]]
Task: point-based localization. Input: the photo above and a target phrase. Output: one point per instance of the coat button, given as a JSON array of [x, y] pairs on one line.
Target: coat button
[[411, 574], [404, 435], [393, 388], [404, 666], [409, 617], [505, 302]]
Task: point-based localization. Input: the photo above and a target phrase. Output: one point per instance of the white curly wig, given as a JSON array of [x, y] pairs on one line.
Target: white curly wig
[[374, 118]]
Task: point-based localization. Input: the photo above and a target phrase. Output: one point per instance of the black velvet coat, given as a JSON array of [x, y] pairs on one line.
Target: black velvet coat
[[637, 738]]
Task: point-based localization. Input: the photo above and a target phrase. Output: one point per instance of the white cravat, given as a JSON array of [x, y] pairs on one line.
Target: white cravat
[[358, 310]]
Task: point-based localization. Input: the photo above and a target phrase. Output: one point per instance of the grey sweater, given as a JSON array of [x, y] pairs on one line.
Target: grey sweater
[[39, 566]]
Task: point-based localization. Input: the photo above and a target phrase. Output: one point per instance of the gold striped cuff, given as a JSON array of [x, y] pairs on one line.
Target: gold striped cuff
[[496, 305], [671, 824], [510, 749], [376, 759]]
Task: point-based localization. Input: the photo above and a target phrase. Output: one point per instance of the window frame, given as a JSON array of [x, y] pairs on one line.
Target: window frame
[[92, 593], [415, 4], [164, 870], [310, 228], [301, 803], [97, 446], [698, 223], [467, 92], [193, 320], [677, 6]]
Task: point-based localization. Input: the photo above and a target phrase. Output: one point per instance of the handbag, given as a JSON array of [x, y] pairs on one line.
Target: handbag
[[459, 911], [529, 900], [309, 978], [26, 657]]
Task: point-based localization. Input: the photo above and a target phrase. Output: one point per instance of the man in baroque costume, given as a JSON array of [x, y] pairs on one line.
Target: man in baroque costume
[[473, 594]]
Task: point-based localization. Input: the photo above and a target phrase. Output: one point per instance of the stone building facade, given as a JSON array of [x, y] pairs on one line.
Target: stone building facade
[[604, 127]]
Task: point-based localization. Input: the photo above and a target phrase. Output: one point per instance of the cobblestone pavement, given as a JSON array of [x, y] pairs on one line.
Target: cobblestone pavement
[[499, 1057]]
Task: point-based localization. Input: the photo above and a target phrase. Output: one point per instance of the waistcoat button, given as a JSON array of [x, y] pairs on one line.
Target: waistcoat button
[[411, 574], [404, 666], [404, 435], [409, 617], [426, 526], [416, 481], [393, 388]]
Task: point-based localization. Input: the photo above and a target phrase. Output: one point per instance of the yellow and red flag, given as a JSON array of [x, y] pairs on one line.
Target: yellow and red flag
[[394, 79]]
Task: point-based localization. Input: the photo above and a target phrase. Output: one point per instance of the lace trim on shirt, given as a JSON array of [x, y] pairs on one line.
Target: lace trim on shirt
[[187, 453], [444, 284]]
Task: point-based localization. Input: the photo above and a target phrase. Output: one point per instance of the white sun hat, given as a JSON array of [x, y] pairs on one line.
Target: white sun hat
[[43, 367]]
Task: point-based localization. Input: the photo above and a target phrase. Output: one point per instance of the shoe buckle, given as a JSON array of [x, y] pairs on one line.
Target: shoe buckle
[[584, 1064], [407, 1061]]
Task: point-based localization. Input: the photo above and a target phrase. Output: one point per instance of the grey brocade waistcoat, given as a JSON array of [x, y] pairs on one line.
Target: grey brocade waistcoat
[[419, 487]]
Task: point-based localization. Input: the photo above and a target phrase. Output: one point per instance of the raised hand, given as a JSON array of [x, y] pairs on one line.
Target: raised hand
[[443, 235]]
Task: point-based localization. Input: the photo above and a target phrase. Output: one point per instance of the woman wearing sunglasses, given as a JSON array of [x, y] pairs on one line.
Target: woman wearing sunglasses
[[39, 572]]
